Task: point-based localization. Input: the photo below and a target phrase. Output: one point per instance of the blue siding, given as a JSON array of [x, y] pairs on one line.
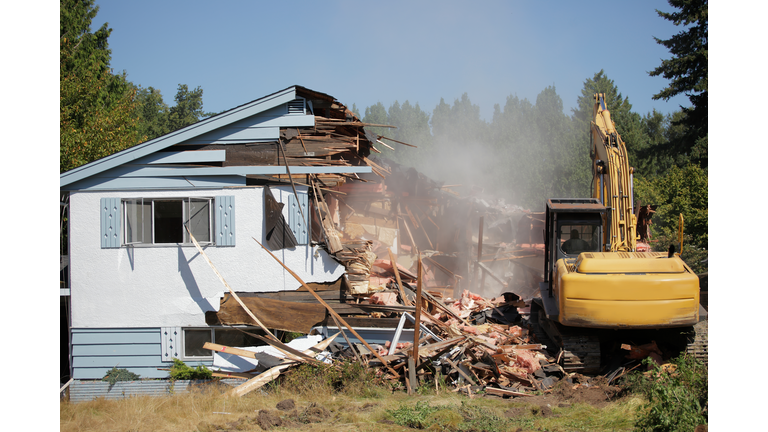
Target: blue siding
[[225, 220], [82, 391], [106, 183], [194, 156], [190, 132], [110, 222], [96, 351]]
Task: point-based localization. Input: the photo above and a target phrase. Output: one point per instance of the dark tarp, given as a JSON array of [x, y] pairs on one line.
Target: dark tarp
[[279, 234]]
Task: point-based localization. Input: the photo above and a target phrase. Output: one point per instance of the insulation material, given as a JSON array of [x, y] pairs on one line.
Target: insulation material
[[234, 363]]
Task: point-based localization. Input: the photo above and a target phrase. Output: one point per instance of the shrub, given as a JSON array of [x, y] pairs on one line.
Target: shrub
[[180, 371], [114, 375], [676, 396], [349, 377]]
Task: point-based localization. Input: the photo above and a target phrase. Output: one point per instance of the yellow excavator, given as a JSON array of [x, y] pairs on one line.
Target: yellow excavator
[[596, 283]]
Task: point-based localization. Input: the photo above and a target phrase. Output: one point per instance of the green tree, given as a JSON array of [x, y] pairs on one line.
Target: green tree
[[687, 71], [649, 160], [188, 109], [97, 109], [682, 190], [519, 157], [413, 128], [153, 114]]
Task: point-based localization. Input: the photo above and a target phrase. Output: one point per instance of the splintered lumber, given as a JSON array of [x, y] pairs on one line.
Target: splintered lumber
[[272, 373], [229, 350], [439, 304], [232, 292], [238, 375], [393, 260], [417, 314], [290, 177], [479, 252], [331, 236], [399, 142], [329, 308], [245, 353], [301, 139], [460, 371], [502, 392]]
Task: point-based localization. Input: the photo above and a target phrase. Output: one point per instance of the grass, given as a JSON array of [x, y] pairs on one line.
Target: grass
[[199, 410], [351, 398]]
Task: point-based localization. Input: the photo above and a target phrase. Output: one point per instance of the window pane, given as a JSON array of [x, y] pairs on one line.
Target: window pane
[[169, 216], [134, 221], [194, 341], [575, 239], [236, 338], [199, 220]]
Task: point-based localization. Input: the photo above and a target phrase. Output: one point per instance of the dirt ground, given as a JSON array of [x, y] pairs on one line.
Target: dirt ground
[[288, 415]]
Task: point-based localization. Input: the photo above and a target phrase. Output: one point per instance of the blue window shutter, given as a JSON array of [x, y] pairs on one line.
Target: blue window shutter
[[225, 220], [295, 221], [170, 343], [110, 222]]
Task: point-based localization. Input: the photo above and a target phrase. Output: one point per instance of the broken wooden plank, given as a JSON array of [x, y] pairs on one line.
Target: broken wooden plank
[[460, 371], [393, 260], [238, 375], [331, 236], [271, 374], [417, 314], [290, 177], [502, 392], [232, 292], [399, 142], [329, 308]]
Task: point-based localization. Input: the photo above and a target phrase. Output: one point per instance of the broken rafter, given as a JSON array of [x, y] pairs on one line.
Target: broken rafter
[[271, 374], [385, 145], [399, 142], [329, 308], [290, 177], [393, 260], [300, 139], [235, 296]]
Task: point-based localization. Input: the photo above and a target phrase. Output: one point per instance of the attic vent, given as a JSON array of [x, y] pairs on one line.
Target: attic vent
[[296, 106]]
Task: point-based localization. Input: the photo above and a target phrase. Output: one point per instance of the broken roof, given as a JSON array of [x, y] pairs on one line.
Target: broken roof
[[318, 135]]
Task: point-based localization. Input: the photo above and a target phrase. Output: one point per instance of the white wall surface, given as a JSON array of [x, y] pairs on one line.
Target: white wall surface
[[166, 286]]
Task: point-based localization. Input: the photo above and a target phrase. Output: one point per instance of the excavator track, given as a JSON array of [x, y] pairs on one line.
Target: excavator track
[[577, 350], [698, 342]]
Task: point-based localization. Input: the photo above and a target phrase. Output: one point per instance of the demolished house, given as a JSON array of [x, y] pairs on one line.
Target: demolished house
[[279, 216]]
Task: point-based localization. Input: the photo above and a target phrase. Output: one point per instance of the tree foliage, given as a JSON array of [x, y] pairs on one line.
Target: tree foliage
[[687, 71], [682, 190], [97, 108]]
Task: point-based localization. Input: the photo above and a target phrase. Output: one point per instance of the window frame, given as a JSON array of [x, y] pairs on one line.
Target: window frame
[[186, 203], [212, 329]]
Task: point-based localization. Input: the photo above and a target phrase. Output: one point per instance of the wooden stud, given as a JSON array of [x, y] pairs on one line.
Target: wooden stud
[[328, 307]]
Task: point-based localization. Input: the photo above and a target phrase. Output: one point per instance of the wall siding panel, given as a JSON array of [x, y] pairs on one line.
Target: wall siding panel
[[96, 351]]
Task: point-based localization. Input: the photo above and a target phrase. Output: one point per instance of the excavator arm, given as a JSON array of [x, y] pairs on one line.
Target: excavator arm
[[612, 180]]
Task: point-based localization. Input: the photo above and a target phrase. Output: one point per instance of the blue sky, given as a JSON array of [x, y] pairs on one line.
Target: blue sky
[[366, 52]]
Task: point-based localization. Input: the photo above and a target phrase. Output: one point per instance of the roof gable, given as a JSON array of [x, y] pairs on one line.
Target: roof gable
[[208, 128]]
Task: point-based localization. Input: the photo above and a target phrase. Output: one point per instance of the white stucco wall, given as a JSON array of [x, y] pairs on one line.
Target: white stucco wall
[[168, 286]]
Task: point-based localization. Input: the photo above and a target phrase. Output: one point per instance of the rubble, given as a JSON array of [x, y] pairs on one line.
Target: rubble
[[463, 271]]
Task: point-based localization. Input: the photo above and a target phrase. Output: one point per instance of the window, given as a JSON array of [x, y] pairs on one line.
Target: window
[[576, 238], [162, 220], [194, 339]]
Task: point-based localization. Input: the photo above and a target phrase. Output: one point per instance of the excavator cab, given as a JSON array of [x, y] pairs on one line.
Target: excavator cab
[[572, 226]]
